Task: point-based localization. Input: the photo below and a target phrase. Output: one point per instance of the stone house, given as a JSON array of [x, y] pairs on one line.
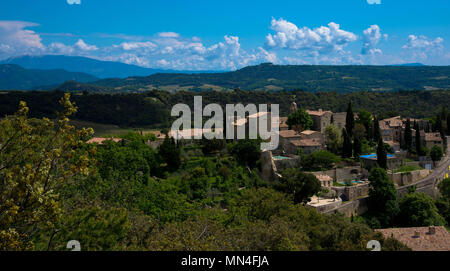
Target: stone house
[[433, 238], [432, 139], [309, 141], [321, 119]]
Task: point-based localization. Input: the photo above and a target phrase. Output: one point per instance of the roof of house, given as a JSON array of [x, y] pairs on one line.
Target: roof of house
[[191, 133], [289, 133], [309, 132], [320, 112], [421, 238], [100, 140], [433, 137], [324, 178], [306, 143], [391, 123]]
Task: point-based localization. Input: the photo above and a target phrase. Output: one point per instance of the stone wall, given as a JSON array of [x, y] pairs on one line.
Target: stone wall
[[392, 163], [407, 178], [268, 167], [349, 193], [327, 207], [342, 174], [357, 207], [291, 162]]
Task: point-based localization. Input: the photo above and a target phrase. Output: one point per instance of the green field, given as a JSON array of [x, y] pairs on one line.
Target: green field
[[102, 130]]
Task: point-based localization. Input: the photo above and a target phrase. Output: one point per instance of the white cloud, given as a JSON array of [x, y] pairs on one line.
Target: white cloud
[[422, 42], [371, 2], [127, 46], [84, 46], [324, 39], [169, 34], [74, 2], [16, 40], [421, 48], [371, 38]]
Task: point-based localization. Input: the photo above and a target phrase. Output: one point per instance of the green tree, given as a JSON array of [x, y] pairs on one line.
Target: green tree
[[36, 158], [210, 146], [350, 120], [436, 153], [300, 120], [333, 139], [319, 160], [443, 202], [381, 155], [382, 202], [302, 186], [347, 148], [419, 149], [170, 153], [247, 151], [408, 135], [418, 210], [365, 118], [376, 130]]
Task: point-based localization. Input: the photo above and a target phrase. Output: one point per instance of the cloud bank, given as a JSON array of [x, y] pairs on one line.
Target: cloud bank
[[286, 43]]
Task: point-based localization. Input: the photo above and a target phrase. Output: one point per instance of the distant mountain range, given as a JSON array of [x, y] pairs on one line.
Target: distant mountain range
[[98, 68], [14, 77], [263, 77], [314, 78]]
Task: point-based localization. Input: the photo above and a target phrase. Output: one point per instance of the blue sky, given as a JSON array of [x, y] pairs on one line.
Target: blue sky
[[227, 35]]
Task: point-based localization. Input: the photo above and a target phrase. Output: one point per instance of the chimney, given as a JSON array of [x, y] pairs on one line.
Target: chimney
[[416, 234], [431, 230]]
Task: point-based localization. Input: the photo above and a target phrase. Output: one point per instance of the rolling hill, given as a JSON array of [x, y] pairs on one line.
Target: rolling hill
[[289, 77], [16, 77], [98, 68]]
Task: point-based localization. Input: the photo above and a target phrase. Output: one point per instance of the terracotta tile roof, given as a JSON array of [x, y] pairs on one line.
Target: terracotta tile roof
[[421, 238], [289, 133], [305, 143], [190, 133], [386, 124], [320, 112], [309, 132], [100, 140]]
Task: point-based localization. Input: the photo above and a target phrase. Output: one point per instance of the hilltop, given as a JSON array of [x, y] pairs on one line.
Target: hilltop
[[16, 77], [312, 78]]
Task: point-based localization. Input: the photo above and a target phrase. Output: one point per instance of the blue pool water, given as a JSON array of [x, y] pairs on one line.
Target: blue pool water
[[280, 157], [374, 156]]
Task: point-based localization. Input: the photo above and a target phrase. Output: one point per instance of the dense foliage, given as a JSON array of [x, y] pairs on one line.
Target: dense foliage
[[153, 108], [122, 196], [289, 77]]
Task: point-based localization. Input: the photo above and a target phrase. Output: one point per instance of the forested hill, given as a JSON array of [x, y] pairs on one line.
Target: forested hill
[[153, 108], [15, 77], [290, 77]]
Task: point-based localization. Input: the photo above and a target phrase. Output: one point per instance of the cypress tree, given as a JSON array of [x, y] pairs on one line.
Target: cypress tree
[[376, 130], [350, 120], [418, 141], [357, 147], [408, 135], [381, 155], [347, 146], [448, 124]]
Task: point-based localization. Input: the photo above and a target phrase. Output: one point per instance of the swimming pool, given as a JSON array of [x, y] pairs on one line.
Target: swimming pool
[[374, 156], [278, 157]]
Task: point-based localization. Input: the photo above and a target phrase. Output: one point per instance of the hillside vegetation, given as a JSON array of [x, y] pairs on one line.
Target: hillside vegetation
[[16, 77], [152, 108], [290, 77]]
